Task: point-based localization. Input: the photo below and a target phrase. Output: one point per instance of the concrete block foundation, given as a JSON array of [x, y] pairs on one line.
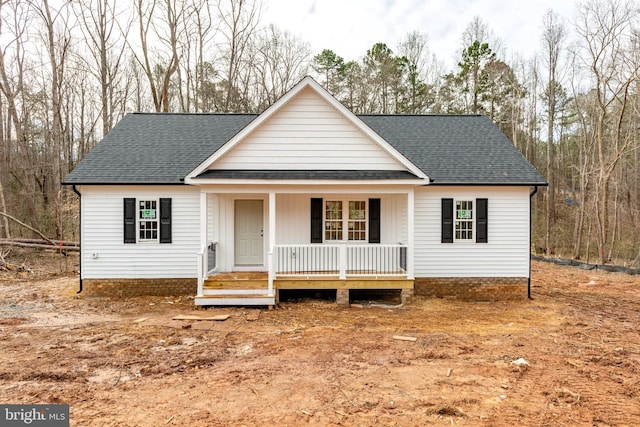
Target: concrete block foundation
[[342, 296]]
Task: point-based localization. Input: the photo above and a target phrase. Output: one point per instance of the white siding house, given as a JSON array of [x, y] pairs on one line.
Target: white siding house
[[104, 253], [306, 195], [506, 253]]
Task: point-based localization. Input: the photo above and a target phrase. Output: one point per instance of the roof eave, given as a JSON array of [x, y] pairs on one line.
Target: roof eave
[[300, 182], [491, 184], [154, 183]]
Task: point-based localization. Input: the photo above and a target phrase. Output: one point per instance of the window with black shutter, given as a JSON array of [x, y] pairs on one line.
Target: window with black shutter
[[461, 220], [147, 220]]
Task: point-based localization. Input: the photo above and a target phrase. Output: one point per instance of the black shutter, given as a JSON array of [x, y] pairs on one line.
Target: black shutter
[[447, 221], [316, 220], [165, 220], [129, 220], [481, 220], [374, 220]]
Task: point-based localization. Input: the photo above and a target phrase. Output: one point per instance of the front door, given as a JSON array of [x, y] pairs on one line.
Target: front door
[[249, 233]]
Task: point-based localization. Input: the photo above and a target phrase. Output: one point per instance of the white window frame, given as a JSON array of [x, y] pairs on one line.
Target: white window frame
[[344, 231], [140, 220], [457, 220]]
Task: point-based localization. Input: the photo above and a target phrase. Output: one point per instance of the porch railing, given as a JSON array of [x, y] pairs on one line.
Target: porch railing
[[212, 260], [342, 260], [206, 261]]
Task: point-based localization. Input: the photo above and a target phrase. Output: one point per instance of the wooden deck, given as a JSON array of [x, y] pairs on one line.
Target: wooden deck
[[251, 287], [259, 280]]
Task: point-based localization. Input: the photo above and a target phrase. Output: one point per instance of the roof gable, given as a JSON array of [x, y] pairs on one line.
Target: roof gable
[[307, 129]]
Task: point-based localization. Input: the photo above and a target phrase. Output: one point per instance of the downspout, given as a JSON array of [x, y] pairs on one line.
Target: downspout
[[75, 190], [533, 193]]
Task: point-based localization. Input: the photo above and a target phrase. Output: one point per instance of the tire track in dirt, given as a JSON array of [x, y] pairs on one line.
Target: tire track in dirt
[[601, 332]]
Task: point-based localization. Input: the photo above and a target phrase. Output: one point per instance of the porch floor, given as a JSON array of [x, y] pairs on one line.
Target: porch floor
[[251, 287]]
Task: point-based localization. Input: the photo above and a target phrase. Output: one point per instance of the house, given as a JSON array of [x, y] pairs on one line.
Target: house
[[233, 208]]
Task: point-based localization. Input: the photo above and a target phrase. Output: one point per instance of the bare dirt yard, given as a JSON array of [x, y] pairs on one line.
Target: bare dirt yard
[[125, 362]]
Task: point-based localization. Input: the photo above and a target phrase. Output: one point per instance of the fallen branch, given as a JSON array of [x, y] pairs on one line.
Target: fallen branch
[[24, 240], [39, 233], [43, 245]]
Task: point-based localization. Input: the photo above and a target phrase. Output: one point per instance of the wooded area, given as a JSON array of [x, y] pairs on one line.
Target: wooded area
[[70, 70]]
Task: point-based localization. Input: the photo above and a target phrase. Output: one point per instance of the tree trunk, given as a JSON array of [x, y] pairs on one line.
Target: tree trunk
[[5, 221]]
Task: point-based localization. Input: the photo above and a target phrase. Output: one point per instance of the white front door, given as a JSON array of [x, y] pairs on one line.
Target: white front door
[[249, 227]]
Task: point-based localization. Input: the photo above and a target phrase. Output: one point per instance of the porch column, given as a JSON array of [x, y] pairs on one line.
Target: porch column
[[202, 255], [272, 240], [410, 233]]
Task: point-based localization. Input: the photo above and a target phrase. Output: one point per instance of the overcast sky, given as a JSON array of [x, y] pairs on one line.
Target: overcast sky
[[351, 27]]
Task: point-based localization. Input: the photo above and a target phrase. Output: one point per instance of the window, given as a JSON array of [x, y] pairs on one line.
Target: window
[[357, 224], [328, 220], [464, 220], [355, 221], [333, 220], [147, 220]]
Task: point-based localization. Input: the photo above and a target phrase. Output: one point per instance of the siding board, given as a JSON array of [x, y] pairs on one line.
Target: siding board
[[308, 133], [505, 255], [102, 235]]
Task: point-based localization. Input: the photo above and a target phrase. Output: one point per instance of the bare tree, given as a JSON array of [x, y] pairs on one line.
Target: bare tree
[[239, 21], [552, 39], [104, 35], [57, 38], [423, 71], [151, 15], [605, 30], [280, 61], [201, 28]]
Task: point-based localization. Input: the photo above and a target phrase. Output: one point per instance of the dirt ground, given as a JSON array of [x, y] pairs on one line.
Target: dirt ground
[[125, 362]]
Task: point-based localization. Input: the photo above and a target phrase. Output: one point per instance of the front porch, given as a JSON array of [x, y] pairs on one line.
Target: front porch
[[252, 287], [258, 243]]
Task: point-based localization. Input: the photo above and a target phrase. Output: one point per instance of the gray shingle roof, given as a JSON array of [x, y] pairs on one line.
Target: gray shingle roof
[[156, 148], [456, 149], [162, 148]]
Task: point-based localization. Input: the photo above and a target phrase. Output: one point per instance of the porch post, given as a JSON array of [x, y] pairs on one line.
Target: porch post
[[342, 261], [410, 232], [272, 240], [203, 241]]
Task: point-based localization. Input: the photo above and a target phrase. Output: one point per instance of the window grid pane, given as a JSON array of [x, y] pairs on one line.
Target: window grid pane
[[333, 220], [357, 220], [464, 220], [148, 220]]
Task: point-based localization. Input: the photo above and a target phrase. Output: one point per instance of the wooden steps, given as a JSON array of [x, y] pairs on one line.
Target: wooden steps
[[236, 288], [211, 284], [236, 299]]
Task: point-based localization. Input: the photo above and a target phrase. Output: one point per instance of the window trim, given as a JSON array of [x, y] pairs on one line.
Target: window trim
[[345, 220], [156, 220], [471, 239], [480, 217]]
